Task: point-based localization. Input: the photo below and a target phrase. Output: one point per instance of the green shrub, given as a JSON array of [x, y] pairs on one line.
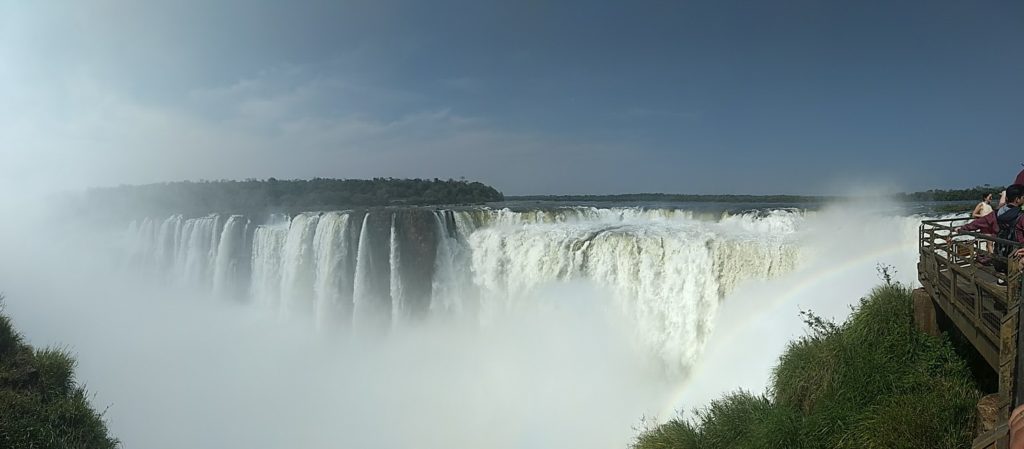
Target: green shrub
[[675, 434], [871, 382], [41, 406], [743, 420], [10, 340], [56, 372]]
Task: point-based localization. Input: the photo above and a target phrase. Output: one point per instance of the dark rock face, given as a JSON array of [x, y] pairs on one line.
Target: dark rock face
[[924, 313], [347, 278], [396, 257], [373, 272], [988, 413], [416, 239]]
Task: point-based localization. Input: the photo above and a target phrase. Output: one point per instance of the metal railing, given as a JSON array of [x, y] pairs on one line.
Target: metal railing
[[969, 280], [962, 247], [975, 280]]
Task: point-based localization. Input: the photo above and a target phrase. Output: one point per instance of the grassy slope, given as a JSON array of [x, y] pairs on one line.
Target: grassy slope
[[41, 406], [871, 382]]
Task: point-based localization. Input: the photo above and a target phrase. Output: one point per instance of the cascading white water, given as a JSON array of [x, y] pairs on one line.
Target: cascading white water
[[229, 257], [177, 249], [198, 249], [267, 262], [359, 284], [397, 292], [452, 287], [167, 239], [667, 269], [298, 271], [667, 275], [333, 289], [372, 303]]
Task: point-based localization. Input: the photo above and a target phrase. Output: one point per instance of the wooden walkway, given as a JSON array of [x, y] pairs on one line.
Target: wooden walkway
[[979, 292]]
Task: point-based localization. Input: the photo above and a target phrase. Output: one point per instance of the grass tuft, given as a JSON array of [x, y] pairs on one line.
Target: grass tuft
[[41, 405]]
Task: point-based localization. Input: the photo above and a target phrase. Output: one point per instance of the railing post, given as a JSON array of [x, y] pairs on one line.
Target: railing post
[[1018, 388]]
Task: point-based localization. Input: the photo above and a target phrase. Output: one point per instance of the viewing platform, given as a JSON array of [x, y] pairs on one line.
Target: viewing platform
[[967, 286]]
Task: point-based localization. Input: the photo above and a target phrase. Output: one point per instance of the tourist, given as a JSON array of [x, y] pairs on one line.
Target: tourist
[[1016, 422], [984, 207], [991, 223], [1006, 224], [1019, 180]]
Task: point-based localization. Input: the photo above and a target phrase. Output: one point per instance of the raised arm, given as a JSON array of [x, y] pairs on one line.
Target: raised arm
[[986, 224]]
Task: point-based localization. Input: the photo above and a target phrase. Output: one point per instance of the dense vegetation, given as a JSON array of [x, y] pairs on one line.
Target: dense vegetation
[[254, 196], [972, 194], [273, 195], [874, 381], [672, 197], [41, 406]]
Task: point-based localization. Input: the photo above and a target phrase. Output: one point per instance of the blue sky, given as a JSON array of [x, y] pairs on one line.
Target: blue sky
[[529, 96]]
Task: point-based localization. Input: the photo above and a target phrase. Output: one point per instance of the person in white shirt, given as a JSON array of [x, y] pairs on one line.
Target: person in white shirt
[[984, 207]]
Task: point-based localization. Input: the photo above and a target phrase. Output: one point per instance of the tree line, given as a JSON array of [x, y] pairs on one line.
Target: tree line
[[256, 196], [673, 197], [295, 195], [972, 193]]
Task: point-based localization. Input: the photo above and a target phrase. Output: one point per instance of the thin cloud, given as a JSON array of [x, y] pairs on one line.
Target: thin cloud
[[265, 128], [465, 84], [646, 113]]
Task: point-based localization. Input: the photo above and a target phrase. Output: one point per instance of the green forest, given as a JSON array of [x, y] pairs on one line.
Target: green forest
[[973, 193], [273, 195], [256, 196], [674, 197]]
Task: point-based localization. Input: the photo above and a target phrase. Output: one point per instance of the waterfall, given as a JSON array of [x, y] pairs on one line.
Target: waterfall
[[372, 288], [297, 271], [167, 243], [197, 250], [452, 288], [267, 261], [229, 258], [396, 291], [666, 269], [334, 270]]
